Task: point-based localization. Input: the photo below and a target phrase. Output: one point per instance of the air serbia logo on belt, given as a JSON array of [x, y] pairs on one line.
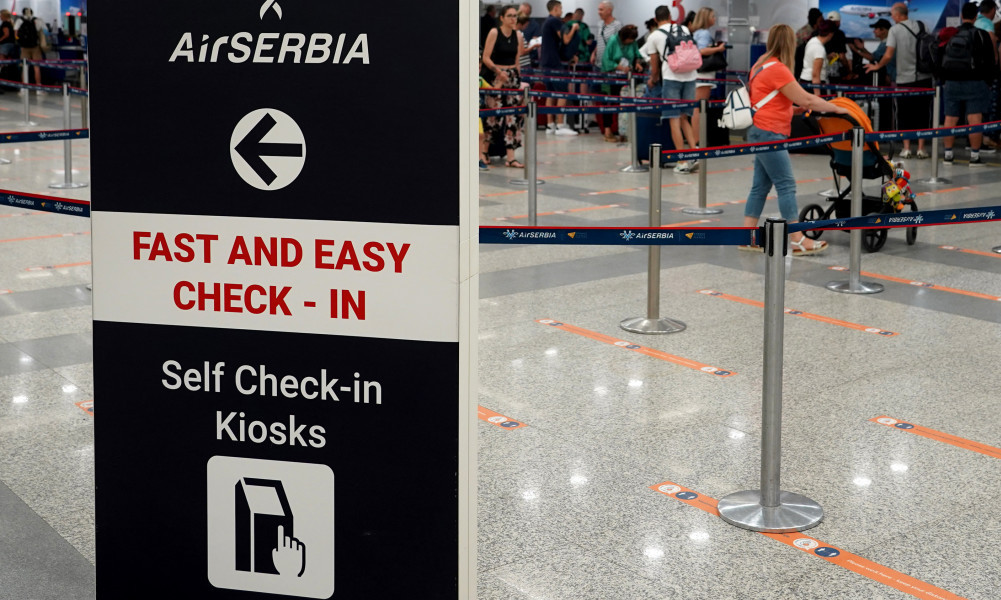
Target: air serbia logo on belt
[[244, 46]]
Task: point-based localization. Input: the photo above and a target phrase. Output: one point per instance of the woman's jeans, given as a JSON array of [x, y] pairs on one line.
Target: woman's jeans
[[771, 168]]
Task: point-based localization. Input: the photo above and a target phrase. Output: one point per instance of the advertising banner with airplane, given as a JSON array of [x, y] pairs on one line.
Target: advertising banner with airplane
[[856, 19]]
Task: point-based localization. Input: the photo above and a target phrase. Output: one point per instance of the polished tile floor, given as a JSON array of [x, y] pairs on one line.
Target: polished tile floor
[[569, 504]]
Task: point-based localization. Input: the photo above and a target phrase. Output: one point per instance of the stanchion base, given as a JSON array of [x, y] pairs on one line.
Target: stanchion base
[[699, 210], [652, 326], [525, 182], [935, 180], [864, 287], [828, 194], [67, 186], [996, 249], [4, 161], [635, 169], [28, 124], [794, 512]]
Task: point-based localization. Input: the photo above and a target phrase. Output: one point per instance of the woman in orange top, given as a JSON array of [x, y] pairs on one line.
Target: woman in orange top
[[773, 122]]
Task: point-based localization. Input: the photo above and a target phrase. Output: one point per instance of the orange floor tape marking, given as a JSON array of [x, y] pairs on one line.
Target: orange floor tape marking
[[716, 204], [562, 212], [687, 223], [65, 266], [945, 191], [87, 407], [485, 414], [815, 547], [636, 189], [799, 313], [923, 284], [931, 434], [45, 237], [977, 252], [607, 339]]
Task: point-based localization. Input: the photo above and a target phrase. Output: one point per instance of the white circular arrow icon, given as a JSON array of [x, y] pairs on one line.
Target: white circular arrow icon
[[269, 4]]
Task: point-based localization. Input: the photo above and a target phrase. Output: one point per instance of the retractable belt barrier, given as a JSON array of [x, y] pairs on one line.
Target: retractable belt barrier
[[18, 137], [722, 236], [52, 204]]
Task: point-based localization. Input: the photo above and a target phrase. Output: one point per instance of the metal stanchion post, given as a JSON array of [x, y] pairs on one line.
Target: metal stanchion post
[[531, 146], [703, 165], [936, 116], [996, 249], [27, 95], [67, 182], [635, 166], [653, 323], [831, 192], [84, 100], [855, 285], [769, 509]]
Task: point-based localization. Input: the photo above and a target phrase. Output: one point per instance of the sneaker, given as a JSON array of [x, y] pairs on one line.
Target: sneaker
[[906, 154], [948, 158], [565, 131], [483, 166], [922, 154], [986, 150], [683, 167], [695, 166], [551, 129], [977, 162]]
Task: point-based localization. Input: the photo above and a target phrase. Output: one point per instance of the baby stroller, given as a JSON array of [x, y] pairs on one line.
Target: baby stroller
[[895, 196]]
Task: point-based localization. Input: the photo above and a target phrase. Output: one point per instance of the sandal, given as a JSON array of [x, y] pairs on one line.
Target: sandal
[[612, 138], [798, 249], [514, 163], [750, 248]]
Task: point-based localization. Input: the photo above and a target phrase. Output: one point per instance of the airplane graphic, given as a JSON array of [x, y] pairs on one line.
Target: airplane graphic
[[868, 11]]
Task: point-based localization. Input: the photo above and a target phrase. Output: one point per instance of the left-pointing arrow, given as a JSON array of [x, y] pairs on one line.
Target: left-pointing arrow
[[252, 149]]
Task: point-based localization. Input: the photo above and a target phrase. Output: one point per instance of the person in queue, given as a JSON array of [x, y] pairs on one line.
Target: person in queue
[[31, 45], [814, 70], [704, 20], [966, 92], [503, 46], [7, 44], [622, 55], [839, 68], [530, 31], [885, 76], [549, 58], [605, 30], [901, 45], [673, 86], [773, 122]]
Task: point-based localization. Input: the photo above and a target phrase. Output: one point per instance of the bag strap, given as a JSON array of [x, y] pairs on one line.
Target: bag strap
[[771, 95]]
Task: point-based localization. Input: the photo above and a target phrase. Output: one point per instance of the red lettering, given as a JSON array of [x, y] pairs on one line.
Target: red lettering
[[185, 253], [160, 248], [183, 285], [207, 240], [398, 257], [239, 252], [138, 245], [322, 252], [277, 301], [378, 263], [287, 244], [231, 293], [348, 256], [251, 308]]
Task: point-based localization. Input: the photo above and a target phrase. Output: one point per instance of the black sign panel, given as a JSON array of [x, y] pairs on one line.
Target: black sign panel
[[276, 300]]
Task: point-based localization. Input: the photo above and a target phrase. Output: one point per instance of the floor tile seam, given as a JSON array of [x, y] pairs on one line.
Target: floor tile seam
[[46, 365], [44, 520]]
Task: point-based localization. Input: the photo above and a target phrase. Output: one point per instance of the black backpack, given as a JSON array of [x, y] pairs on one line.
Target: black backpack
[[926, 49], [960, 55], [27, 34]]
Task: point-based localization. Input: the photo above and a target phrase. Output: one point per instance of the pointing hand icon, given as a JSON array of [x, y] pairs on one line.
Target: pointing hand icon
[[290, 555]]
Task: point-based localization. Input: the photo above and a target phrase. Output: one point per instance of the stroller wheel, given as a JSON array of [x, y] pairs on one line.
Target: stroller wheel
[[873, 239], [911, 233], [812, 212]]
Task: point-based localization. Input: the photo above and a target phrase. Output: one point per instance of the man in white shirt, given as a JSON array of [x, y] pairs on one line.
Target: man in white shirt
[[673, 86]]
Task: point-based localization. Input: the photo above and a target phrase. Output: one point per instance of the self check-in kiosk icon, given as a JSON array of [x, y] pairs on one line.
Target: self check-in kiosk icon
[[265, 540]]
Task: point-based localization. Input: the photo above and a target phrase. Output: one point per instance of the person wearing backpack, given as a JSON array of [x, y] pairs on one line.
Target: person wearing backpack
[[967, 65], [773, 89], [672, 43], [903, 43], [29, 36]]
